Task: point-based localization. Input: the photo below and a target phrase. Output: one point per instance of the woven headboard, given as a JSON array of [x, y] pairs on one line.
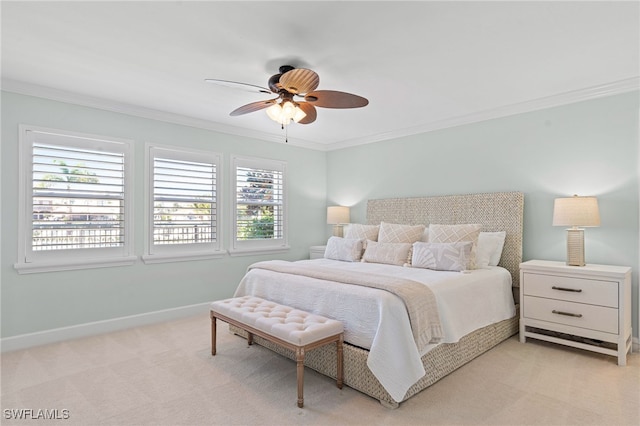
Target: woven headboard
[[499, 211]]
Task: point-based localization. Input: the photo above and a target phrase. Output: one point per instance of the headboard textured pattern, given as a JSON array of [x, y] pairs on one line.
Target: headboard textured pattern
[[499, 211]]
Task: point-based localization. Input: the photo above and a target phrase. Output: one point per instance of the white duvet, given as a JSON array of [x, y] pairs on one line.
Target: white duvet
[[377, 320]]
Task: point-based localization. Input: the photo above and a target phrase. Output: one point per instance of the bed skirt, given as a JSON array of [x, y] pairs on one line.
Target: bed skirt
[[438, 362]]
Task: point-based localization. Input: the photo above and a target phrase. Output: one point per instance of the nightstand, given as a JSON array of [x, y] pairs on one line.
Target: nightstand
[[586, 307], [316, 252]]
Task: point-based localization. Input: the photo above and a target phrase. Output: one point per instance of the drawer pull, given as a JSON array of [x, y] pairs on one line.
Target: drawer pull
[[575, 290], [569, 314]]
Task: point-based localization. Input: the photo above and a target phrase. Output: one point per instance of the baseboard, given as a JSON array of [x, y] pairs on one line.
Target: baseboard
[[29, 340]]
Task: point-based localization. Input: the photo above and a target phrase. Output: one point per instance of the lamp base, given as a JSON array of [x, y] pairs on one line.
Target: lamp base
[[338, 230], [575, 247]]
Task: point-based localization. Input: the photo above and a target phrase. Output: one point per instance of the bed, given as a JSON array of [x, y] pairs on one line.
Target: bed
[[385, 356]]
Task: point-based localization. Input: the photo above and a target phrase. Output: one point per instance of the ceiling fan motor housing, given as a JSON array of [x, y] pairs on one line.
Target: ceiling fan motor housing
[[274, 81]]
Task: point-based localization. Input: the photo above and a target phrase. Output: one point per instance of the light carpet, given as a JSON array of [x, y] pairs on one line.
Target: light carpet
[[163, 374]]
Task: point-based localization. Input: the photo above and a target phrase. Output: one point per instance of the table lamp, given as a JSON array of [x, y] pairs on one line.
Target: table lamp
[[337, 216], [576, 212]]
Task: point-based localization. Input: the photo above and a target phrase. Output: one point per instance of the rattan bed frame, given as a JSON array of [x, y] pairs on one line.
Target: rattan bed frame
[[502, 211]]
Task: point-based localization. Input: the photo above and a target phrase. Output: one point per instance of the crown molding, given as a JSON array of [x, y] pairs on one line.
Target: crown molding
[[29, 89], [589, 93], [594, 92]]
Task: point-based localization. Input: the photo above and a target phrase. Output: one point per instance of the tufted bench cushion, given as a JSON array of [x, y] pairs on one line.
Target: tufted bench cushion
[[292, 328], [291, 325]]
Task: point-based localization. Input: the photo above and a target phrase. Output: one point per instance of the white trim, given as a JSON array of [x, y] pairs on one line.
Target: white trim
[[29, 89], [30, 261], [150, 259], [594, 92], [257, 251], [24, 341], [608, 89], [71, 265], [181, 252], [258, 246]]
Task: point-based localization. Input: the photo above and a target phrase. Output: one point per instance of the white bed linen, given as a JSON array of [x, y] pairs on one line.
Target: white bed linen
[[377, 320]]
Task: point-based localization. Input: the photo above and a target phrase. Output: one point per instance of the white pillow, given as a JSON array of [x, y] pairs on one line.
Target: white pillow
[[389, 253], [358, 230], [425, 235], [345, 249], [397, 233], [456, 233], [442, 256], [490, 246]]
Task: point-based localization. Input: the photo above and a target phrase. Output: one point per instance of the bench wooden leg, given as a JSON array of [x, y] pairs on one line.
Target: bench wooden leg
[[300, 367], [213, 334], [339, 362], [299, 350]]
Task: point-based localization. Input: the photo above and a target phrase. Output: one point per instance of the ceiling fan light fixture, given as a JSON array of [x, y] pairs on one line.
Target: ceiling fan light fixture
[[288, 110], [292, 82], [274, 112], [284, 112], [299, 115]]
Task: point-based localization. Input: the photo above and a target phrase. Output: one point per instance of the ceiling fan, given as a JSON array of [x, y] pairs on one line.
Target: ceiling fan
[[289, 83]]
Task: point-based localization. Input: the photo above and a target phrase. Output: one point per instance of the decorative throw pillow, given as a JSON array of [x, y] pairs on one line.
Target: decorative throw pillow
[[442, 256], [365, 232], [456, 233], [490, 246], [389, 253], [397, 233], [346, 249]]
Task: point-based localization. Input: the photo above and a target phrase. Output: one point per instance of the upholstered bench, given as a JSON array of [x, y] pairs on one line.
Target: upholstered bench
[[291, 328]]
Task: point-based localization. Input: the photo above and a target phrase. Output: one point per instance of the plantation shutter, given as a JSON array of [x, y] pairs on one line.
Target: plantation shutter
[[184, 201], [259, 201], [78, 198]]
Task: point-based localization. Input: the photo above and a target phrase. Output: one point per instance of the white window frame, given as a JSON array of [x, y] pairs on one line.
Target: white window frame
[[30, 261], [160, 253], [265, 246]]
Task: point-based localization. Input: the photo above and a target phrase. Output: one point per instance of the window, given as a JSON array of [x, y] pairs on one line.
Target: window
[[183, 208], [75, 206], [259, 211]]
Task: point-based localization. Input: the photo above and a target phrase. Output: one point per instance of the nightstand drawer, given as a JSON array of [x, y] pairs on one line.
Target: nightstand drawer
[[581, 290], [591, 317]]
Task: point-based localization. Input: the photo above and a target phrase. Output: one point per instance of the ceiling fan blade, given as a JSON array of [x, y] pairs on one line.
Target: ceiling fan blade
[[311, 112], [237, 85], [335, 99], [252, 107], [300, 80]]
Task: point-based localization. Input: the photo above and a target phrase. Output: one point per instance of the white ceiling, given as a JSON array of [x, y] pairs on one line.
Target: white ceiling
[[422, 65]]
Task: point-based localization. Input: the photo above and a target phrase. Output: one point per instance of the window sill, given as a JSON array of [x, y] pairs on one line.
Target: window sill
[[34, 268], [183, 257], [260, 250]]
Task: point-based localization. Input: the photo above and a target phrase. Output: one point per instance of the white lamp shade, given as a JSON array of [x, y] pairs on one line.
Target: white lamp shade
[[275, 112], [576, 211], [337, 214], [284, 112]]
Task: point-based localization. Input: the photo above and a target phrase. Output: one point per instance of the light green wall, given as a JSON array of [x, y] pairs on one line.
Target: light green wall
[[37, 302], [587, 148]]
